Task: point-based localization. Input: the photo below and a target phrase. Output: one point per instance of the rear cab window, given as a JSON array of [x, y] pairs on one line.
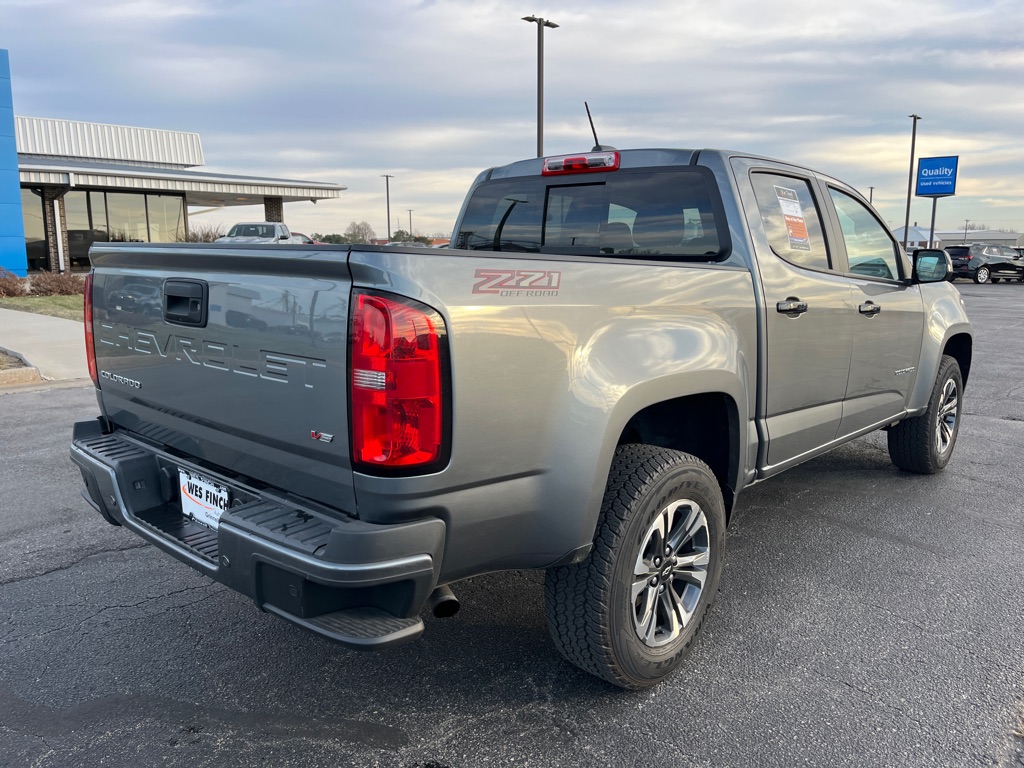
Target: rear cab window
[[791, 220], [666, 214]]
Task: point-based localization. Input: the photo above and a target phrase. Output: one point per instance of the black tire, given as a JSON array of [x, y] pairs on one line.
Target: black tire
[[924, 444], [982, 275], [595, 609]]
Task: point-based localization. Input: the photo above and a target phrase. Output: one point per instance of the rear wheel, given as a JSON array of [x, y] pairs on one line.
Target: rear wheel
[[982, 275], [924, 444], [629, 613]]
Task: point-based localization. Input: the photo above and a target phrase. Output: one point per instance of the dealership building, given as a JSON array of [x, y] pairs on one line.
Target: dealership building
[[66, 184]]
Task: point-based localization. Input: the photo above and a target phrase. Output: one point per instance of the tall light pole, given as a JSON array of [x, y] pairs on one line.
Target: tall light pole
[[410, 210], [910, 180], [541, 23], [871, 194], [387, 193]]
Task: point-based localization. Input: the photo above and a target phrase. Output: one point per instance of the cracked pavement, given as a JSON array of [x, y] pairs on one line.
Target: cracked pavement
[[867, 617]]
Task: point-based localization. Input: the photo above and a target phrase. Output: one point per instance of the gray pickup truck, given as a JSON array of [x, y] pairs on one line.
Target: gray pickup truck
[[616, 344]]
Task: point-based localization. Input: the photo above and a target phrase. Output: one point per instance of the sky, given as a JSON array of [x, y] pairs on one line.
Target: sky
[[434, 91]]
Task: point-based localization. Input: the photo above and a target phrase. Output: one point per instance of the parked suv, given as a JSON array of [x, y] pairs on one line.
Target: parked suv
[[985, 262]]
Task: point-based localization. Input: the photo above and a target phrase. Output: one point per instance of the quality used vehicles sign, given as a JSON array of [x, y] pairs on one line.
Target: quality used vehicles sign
[[936, 176]]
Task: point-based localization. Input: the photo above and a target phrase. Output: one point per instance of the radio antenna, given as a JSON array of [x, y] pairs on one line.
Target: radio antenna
[[598, 146]]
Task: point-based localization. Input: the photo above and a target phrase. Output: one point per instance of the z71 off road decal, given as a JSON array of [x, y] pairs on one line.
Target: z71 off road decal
[[517, 282]]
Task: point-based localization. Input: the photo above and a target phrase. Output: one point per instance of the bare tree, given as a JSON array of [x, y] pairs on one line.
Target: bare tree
[[199, 233], [359, 232]]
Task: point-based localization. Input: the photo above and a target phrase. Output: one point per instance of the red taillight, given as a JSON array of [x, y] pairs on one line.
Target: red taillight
[[90, 347], [587, 163], [396, 384]]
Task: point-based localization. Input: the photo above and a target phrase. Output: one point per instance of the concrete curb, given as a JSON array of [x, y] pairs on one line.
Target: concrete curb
[[25, 374]]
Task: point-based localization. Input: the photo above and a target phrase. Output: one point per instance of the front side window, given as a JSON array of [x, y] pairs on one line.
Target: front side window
[[657, 214], [791, 219], [870, 249]]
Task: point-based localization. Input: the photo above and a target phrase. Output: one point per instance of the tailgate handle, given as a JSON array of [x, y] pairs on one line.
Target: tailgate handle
[[185, 302]]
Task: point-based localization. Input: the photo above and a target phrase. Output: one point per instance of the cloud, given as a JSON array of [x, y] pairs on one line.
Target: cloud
[[435, 91]]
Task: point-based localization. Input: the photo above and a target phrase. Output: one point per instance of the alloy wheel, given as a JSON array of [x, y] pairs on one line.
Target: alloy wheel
[[670, 572], [945, 426]]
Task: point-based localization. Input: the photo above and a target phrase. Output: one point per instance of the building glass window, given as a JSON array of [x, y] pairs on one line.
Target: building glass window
[[76, 218], [76, 210], [126, 214], [166, 218], [98, 210], [35, 228]]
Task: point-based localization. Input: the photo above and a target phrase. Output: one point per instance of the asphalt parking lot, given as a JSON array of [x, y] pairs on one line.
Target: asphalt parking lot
[[867, 617]]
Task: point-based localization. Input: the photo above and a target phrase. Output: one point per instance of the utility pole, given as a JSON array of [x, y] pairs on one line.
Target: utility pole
[[910, 180], [871, 194], [387, 193], [410, 210]]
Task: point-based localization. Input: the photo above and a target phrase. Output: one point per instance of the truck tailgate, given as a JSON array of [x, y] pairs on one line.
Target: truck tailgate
[[233, 356]]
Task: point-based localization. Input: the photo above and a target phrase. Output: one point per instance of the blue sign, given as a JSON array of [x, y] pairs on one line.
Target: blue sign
[[12, 232], [936, 176]]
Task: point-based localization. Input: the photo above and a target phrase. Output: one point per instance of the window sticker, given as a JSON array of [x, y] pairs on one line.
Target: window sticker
[[794, 216]]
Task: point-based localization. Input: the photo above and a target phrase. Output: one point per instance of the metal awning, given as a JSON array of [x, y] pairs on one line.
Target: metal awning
[[199, 187]]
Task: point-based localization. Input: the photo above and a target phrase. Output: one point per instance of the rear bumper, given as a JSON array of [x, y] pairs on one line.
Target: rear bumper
[[359, 584]]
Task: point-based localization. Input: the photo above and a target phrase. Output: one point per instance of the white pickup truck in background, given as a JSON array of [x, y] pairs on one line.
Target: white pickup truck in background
[[259, 232]]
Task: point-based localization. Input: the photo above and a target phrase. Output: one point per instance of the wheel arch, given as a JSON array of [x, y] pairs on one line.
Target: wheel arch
[[961, 348], [705, 425]]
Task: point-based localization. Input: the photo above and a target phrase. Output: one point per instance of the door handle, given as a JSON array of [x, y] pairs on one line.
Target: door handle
[[186, 302], [791, 306], [869, 308]]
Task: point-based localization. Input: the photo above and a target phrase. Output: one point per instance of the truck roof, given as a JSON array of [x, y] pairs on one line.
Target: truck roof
[[628, 158]]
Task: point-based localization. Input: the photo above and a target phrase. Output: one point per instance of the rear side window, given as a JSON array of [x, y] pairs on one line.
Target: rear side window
[[657, 214], [791, 219]]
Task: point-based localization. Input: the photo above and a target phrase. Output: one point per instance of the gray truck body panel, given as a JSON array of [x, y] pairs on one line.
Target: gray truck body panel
[[545, 382]]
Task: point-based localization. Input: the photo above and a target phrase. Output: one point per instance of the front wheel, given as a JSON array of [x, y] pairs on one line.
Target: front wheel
[[629, 613], [924, 444], [982, 275]]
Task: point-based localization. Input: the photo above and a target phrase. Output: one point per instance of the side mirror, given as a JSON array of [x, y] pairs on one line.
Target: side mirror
[[932, 265]]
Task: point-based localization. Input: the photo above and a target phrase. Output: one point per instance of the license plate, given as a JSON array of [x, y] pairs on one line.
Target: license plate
[[201, 498]]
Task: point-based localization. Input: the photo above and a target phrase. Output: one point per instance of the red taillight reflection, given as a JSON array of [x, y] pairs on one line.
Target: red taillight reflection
[[396, 383], [90, 347]]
